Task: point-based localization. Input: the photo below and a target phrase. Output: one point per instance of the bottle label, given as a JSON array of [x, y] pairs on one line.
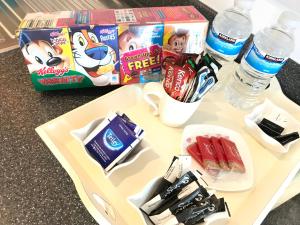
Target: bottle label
[[223, 43], [263, 62]]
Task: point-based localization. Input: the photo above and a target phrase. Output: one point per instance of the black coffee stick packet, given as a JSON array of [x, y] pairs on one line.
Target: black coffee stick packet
[[172, 191], [192, 200], [168, 202], [287, 138], [270, 128], [275, 131], [195, 215], [179, 166]]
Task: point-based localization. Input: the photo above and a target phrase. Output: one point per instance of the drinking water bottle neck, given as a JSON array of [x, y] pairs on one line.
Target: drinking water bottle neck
[[244, 5]]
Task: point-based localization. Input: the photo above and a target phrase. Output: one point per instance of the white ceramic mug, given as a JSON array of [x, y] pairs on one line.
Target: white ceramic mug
[[171, 112]]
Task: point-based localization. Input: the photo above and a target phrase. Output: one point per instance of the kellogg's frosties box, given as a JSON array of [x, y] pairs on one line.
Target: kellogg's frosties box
[[96, 54], [74, 49]]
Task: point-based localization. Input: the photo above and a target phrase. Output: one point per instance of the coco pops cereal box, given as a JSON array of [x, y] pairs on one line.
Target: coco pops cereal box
[[140, 53], [88, 48]]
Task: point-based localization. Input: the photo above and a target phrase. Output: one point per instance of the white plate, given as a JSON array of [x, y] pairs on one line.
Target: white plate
[[226, 181]]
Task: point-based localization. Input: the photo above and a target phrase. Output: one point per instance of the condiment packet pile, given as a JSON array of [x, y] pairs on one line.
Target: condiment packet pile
[[216, 154], [188, 77], [182, 197], [275, 131], [113, 139]]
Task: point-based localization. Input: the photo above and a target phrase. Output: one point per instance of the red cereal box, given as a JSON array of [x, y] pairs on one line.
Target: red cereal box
[[232, 154]]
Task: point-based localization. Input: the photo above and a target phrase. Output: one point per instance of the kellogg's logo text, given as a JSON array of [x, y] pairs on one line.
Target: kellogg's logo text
[[58, 41], [52, 70]]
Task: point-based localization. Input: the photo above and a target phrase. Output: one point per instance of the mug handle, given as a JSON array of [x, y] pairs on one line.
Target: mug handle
[[156, 89]]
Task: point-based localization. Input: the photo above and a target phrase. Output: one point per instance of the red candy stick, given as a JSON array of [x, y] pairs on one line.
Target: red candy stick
[[232, 154], [169, 77], [206, 149], [195, 153], [220, 155], [180, 81]]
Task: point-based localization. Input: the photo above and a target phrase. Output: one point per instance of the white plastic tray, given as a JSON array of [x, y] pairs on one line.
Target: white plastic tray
[[106, 198]]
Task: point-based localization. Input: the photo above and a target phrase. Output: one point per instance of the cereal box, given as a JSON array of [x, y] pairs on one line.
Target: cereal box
[[75, 49], [48, 56], [140, 53], [96, 54]]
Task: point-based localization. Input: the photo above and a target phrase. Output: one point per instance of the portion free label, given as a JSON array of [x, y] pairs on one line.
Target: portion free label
[[141, 59]]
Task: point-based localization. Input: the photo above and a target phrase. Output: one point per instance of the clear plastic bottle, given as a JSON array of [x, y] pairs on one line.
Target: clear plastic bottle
[[265, 57], [228, 33]]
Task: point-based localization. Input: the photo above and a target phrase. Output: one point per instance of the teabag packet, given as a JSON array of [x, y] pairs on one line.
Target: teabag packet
[[171, 191], [135, 128], [189, 201], [196, 214], [112, 140]]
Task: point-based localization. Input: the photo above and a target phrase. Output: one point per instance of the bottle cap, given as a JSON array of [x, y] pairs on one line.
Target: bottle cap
[[289, 19], [244, 4]]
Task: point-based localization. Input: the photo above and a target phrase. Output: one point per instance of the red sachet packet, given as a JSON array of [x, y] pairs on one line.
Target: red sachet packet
[[209, 161], [170, 57], [195, 153], [169, 77], [180, 82], [185, 56], [233, 156], [192, 72], [220, 155]]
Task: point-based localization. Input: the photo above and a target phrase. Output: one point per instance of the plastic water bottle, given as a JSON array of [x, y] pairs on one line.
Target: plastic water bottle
[[228, 34], [265, 57]]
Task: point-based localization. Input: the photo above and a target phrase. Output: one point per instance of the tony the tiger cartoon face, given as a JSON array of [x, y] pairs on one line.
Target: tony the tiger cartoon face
[[93, 58]]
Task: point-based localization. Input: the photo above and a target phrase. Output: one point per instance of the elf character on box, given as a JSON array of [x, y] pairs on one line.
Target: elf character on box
[[178, 41]]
